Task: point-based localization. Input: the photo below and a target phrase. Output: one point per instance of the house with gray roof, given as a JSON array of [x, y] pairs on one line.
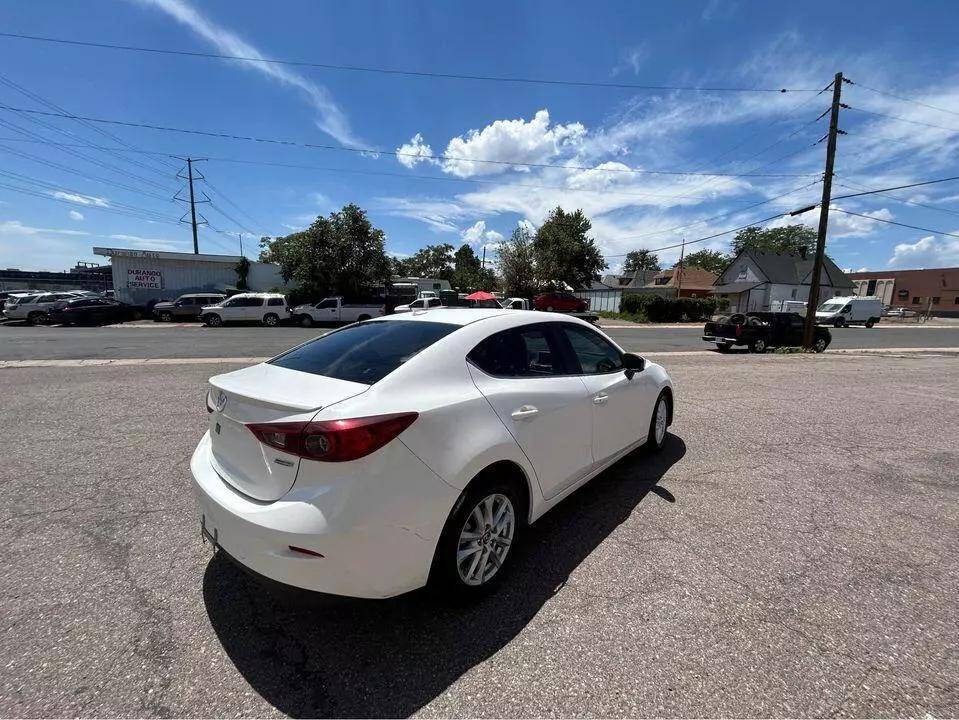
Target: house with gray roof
[[755, 280]]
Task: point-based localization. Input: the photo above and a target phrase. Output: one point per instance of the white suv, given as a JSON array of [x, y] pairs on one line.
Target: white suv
[[35, 309], [267, 308]]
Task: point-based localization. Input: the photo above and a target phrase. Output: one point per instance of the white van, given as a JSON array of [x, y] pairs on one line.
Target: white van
[[852, 310]]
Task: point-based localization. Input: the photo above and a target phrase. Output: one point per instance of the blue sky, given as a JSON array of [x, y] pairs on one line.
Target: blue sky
[[603, 141]]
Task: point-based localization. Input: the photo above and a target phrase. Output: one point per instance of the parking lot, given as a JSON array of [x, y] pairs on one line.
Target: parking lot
[[792, 552]]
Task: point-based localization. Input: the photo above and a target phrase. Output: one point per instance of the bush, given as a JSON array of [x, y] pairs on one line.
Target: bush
[[662, 309]]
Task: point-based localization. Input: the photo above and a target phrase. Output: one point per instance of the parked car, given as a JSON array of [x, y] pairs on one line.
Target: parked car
[[842, 311], [416, 448], [185, 307], [760, 331], [268, 308], [899, 312], [35, 309], [94, 311], [420, 304], [336, 310], [560, 302], [515, 303], [12, 298]]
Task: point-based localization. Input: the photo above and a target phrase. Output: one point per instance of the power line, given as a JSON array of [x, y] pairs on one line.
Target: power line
[[903, 98], [721, 215], [53, 106], [237, 208], [394, 153], [892, 222], [394, 71], [901, 119], [897, 187], [709, 237], [855, 186]]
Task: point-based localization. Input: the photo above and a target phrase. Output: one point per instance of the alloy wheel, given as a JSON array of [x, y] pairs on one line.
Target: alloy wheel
[[485, 539], [661, 417]]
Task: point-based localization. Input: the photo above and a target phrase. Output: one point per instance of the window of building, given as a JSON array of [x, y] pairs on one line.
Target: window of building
[[661, 281], [903, 294], [935, 301], [916, 299]]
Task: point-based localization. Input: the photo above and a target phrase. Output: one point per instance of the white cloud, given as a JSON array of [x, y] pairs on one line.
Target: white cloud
[[440, 215], [76, 215], [332, 120], [926, 252], [633, 59], [15, 227], [509, 140], [81, 199], [477, 235], [151, 243], [414, 152]]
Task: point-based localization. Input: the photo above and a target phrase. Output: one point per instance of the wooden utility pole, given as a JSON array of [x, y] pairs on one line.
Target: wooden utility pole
[[196, 245], [813, 301], [682, 253]]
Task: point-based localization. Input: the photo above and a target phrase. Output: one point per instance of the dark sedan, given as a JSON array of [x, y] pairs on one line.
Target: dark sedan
[[95, 311]]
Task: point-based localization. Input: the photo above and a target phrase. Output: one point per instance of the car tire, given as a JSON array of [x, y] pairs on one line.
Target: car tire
[[213, 320], [870, 323], [757, 346], [656, 438], [840, 322], [166, 316], [462, 580], [34, 318], [549, 308], [362, 318], [306, 321], [271, 319], [820, 344]]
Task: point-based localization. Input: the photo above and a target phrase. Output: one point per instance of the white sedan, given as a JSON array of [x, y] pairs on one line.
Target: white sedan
[[416, 448]]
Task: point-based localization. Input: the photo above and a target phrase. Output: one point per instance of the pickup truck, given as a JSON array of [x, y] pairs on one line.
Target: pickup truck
[[335, 310], [762, 330]]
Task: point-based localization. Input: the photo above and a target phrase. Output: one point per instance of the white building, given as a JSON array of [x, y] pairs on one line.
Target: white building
[[754, 280], [140, 276]]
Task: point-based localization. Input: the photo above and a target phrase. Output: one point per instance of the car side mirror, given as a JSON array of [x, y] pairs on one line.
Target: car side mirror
[[632, 364]]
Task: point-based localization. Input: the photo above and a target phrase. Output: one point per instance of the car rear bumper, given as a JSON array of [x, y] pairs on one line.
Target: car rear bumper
[[376, 535], [720, 339]]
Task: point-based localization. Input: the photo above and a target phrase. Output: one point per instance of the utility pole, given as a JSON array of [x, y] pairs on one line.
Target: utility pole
[[682, 253], [193, 202], [813, 301], [240, 235], [484, 257], [196, 245]]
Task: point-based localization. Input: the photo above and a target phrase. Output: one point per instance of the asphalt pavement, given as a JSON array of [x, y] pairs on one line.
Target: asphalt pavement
[[794, 551], [159, 340]]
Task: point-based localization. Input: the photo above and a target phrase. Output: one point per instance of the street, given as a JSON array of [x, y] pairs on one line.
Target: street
[[792, 552], [160, 340]]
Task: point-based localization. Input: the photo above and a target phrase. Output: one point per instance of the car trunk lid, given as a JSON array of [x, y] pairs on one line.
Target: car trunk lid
[[265, 394]]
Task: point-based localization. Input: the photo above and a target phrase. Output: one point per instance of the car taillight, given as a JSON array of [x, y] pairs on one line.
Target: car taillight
[[333, 440], [739, 330]]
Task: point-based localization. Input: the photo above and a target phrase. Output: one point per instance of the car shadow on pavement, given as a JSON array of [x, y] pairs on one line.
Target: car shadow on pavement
[[311, 655]]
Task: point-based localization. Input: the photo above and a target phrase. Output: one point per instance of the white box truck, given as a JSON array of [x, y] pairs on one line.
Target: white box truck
[[852, 310]]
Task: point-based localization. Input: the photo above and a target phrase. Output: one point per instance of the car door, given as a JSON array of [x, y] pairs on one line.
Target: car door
[[521, 372], [622, 406], [184, 306]]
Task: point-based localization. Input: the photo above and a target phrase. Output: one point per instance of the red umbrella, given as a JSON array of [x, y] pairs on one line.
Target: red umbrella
[[481, 295]]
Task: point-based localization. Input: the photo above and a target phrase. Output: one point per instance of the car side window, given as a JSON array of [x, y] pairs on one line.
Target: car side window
[[275, 301], [326, 304], [187, 301], [595, 354], [520, 352]]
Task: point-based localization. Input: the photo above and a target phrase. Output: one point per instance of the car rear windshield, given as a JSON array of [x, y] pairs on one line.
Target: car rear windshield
[[364, 353]]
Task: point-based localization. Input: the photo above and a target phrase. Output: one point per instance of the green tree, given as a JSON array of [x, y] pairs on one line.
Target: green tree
[[517, 266], [564, 252], [340, 254], [242, 272], [433, 261], [711, 260], [789, 239], [640, 260], [469, 273]]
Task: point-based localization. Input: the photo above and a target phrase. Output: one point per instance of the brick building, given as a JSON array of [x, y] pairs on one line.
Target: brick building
[[934, 289]]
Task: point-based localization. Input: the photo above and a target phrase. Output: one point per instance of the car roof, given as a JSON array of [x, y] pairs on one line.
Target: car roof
[[467, 316], [251, 294]]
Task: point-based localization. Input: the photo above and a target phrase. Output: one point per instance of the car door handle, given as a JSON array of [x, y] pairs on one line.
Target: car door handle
[[600, 399], [524, 412]]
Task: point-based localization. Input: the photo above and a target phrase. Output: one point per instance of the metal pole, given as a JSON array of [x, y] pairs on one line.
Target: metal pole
[[813, 300], [682, 253], [196, 245]]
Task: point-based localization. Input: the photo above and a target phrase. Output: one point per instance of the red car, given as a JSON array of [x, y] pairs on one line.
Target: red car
[[560, 302]]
